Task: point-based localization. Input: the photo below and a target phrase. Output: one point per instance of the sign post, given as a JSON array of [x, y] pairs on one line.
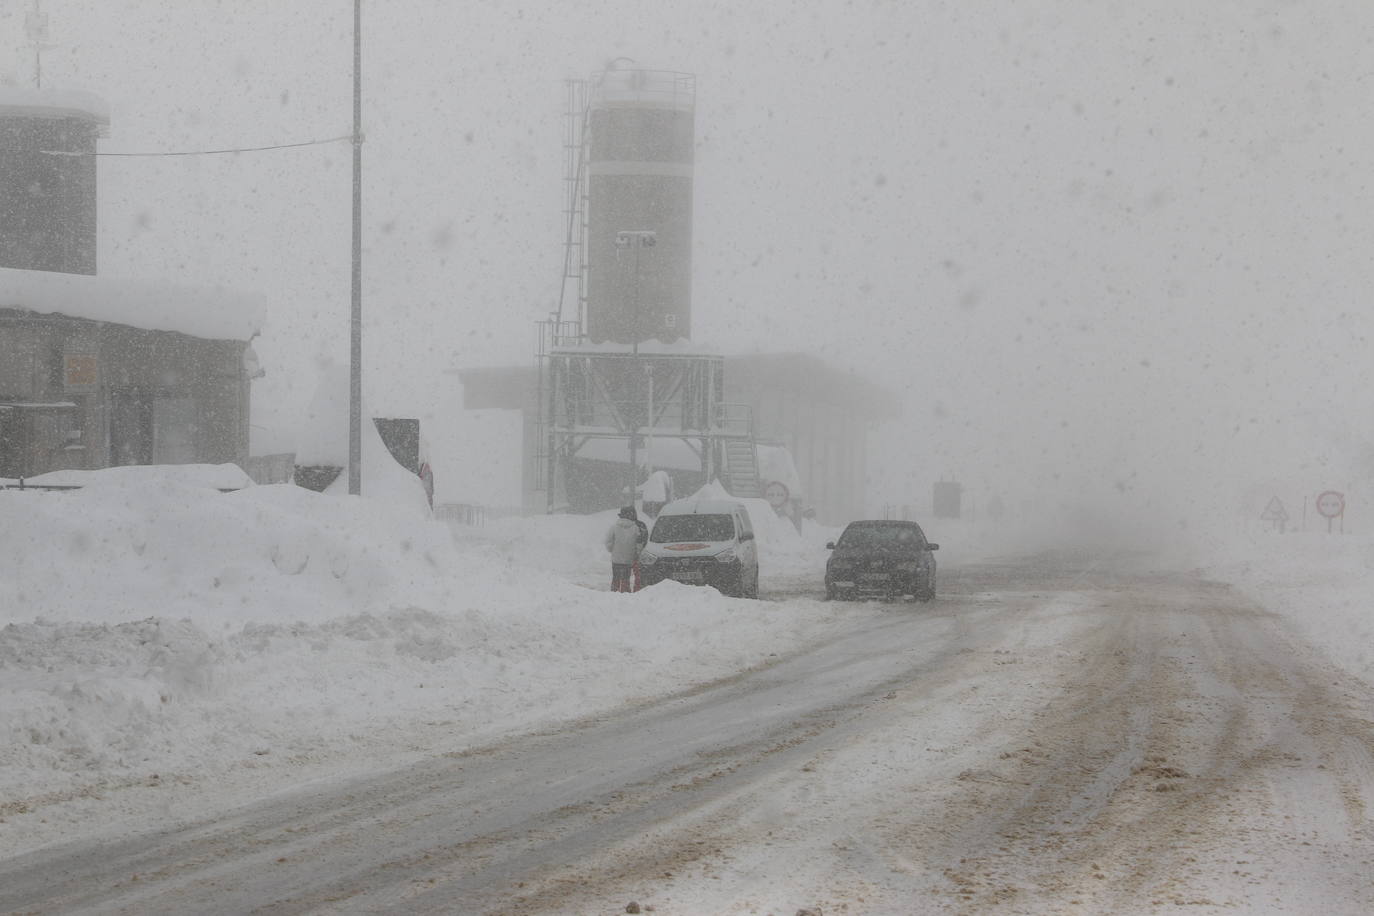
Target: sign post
[[1275, 514], [1332, 506]]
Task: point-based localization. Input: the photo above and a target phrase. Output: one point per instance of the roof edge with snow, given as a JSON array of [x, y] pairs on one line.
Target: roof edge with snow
[[211, 313], [55, 104]]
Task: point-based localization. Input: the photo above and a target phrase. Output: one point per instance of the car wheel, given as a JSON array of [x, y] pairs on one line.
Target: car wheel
[[927, 593]]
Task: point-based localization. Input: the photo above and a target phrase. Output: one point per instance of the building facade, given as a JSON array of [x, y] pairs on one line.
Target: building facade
[[822, 416], [99, 372], [48, 179], [83, 394]]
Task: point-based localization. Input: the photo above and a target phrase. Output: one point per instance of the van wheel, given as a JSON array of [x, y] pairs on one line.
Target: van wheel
[[753, 590]]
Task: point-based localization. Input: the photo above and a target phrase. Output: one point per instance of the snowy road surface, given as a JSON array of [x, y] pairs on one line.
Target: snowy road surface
[[1057, 736]]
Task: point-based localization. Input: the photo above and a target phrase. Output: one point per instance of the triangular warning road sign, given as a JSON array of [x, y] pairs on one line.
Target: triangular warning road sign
[[1274, 512]]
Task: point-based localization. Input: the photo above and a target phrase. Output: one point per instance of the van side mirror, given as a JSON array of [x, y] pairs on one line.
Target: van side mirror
[[933, 546], [829, 545], [746, 536]]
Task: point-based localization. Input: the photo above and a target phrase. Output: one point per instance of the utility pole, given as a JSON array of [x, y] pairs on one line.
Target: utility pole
[[36, 25], [355, 380]]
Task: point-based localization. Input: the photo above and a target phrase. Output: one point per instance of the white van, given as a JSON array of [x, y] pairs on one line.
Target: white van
[[703, 542]]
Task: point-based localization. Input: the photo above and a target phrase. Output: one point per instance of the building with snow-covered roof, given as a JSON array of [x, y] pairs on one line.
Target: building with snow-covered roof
[[98, 372]]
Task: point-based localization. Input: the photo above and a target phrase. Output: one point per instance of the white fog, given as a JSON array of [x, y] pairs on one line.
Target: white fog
[[1103, 264], [1122, 243]]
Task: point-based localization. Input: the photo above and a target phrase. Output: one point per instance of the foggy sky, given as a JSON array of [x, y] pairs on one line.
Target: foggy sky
[[1111, 247]]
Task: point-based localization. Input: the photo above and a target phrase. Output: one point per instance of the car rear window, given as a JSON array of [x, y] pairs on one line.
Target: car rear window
[[894, 536], [673, 528]]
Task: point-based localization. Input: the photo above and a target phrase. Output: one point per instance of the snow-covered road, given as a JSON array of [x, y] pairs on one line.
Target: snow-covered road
[[1048, 737]]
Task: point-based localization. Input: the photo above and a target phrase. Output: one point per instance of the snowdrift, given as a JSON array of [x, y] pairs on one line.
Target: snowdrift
[[160, 635]]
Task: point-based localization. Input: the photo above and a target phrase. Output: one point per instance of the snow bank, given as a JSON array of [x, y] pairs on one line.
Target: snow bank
[[1322, 583], [213, 476], [782, 550], [122, 550], [158, 635]]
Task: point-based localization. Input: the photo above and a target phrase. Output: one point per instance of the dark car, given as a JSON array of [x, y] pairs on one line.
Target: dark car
[[889, 559]]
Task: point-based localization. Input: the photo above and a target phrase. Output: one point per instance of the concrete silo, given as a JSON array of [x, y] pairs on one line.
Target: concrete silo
[[639, 135]]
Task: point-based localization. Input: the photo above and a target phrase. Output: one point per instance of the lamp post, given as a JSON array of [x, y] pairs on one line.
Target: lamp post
[[638, 239], [355, 379]]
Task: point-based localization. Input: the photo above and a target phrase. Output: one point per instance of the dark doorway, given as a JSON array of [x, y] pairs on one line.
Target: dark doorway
[[131, 427], [13, 443]]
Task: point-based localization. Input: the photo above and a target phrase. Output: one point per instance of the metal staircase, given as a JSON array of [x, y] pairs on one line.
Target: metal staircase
[[742, 468], [734, 426]]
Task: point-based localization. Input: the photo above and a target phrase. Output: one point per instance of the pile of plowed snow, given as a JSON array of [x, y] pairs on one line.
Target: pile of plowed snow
[[156, 631]]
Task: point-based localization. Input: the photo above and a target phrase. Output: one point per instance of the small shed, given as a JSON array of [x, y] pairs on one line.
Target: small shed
[[98, 372]]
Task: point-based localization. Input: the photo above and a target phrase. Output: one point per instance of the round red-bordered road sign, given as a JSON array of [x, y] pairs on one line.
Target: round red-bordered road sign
[[1331, 504]]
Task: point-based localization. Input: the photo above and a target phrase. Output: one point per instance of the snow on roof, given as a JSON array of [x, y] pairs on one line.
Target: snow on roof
[[659, 451], [54, 104], [211, 313], [650, 347], [210, 476], [697, 505], [649, 88]]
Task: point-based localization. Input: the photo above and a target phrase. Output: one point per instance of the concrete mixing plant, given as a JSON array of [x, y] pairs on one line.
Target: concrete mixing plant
[[622, 395], [622, 390]]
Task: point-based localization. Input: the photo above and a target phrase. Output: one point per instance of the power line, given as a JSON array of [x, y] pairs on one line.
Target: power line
[[202, 152]]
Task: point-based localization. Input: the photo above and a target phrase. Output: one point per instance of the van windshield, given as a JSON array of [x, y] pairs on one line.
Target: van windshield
[[674, 528]]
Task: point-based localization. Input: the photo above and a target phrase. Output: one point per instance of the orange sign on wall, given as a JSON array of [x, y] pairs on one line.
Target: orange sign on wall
[[79, 369]]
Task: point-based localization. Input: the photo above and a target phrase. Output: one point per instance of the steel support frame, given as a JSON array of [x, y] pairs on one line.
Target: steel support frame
[[591, 394]]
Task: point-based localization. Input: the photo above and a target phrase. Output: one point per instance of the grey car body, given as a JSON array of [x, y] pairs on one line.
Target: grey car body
[[890, 559]]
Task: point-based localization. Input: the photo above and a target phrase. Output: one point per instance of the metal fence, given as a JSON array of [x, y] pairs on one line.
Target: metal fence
[[462, 513]]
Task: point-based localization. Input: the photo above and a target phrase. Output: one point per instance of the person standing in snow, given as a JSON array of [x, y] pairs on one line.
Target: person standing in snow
[[622, 541]]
